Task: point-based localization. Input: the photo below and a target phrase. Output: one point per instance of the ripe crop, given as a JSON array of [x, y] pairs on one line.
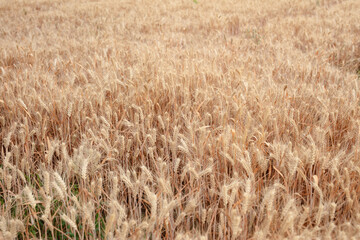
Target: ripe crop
[[179, 119]]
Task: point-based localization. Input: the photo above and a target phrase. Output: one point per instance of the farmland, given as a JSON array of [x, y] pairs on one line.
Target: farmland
[[179, 119]]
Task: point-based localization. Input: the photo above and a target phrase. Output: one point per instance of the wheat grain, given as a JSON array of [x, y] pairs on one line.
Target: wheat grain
[[84, 168], [8, 236], [20, 227], [46, 182], [30, 196], [69, 221], [99, 186], [47, 206], [60, 182], [3, 225], [47, 222], [58, 190], [153, 202]]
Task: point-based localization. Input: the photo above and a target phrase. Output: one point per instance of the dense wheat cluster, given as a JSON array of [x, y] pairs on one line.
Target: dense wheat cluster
[[179, 119]]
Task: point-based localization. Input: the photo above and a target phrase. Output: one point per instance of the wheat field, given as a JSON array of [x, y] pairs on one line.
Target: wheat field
[[180, 119]]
